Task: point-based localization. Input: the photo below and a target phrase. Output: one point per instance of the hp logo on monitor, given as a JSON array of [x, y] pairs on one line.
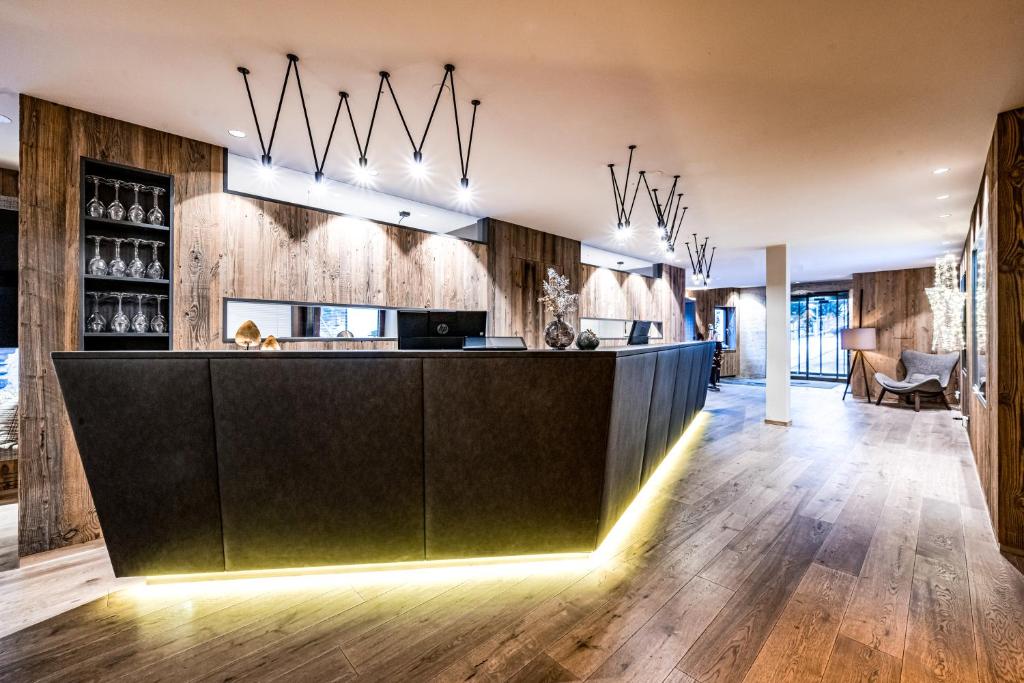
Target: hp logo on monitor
[[442, 328]]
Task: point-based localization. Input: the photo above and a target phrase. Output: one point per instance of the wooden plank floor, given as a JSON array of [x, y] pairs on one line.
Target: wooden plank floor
[[852, 546]]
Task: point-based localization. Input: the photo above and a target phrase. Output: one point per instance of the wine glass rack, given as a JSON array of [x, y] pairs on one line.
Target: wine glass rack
[[126, 231]]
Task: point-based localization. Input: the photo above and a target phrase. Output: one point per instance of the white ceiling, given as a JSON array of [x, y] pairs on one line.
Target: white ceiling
[[813, 123]]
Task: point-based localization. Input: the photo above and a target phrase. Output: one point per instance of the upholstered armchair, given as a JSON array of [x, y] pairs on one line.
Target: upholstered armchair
[[927, 375]]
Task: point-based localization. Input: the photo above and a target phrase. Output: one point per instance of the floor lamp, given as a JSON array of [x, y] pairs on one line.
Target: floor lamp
[[858, 340]]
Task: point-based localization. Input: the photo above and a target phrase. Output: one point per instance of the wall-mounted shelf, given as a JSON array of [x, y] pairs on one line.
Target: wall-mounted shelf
[[126, 334], [92, 220], [126, 280], [103, 226]]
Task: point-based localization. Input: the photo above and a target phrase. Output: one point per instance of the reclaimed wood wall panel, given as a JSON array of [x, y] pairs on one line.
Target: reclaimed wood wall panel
[[287, 253], [983, 424], [8, 183], [707, 300], [517, 260], [55, 505], [226, 245], [895, 304], [1009, 326], [606, 293]]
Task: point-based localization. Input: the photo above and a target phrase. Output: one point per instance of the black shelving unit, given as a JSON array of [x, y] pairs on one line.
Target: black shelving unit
[[107, 227]]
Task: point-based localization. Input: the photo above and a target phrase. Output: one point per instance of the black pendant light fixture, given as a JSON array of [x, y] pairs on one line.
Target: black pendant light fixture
[[623, 215], [666, 212], [669, 213], [700, 261], [363, 144]]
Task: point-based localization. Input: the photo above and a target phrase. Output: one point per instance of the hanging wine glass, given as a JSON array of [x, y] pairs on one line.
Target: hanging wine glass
[[96, 322], [139, 321], [119, 323], [155, 269], [115, 210], [95, 207], [155, 215], [117, 266], [97, 266], [159, 322], [136, 268], [136, 214]]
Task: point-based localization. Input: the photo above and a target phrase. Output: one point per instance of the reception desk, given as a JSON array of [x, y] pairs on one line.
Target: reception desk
[[224, 461]]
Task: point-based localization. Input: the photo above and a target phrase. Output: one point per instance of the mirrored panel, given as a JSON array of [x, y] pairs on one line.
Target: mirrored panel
[[291, 321], [613, 328]]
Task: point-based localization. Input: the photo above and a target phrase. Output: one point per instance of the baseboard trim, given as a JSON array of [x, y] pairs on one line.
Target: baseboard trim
[[1011, 550], [778, 423]]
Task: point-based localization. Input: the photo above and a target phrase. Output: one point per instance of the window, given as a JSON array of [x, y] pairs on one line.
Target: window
[[615, 328], [979, 303], [286, 320], [725, 326]]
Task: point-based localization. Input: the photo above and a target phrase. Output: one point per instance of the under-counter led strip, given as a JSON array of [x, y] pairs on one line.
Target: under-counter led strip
[[643, 510]]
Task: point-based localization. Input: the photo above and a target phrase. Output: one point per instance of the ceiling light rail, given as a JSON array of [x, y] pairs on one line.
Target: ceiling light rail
[[363, 146]]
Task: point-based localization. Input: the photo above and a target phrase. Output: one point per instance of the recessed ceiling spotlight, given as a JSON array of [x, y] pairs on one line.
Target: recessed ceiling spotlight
[[945, 215], [5, 119], [940, 171], [943, 196], [236, 133]]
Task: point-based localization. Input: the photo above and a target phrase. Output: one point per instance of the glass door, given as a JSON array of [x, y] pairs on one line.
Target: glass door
[[815, 321]]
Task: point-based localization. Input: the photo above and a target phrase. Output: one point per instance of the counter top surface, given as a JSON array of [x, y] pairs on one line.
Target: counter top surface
[[609, 352]]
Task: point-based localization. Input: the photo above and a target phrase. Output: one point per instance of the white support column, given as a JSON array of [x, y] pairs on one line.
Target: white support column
[[776, 408]]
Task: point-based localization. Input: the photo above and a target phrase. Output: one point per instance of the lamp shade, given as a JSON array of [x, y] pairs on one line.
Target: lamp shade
[[858, 338]]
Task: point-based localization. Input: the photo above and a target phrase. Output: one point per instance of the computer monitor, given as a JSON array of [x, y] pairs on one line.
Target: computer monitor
[[639, 332], [437, 329]]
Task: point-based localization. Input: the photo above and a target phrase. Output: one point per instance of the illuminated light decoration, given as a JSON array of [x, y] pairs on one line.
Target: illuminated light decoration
[[644, 512], [947, 303], [464, 194], [622, 215], [235, 133]]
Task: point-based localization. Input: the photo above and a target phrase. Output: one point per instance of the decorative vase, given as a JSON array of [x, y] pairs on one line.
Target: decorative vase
[[559, 334], [587, 341]]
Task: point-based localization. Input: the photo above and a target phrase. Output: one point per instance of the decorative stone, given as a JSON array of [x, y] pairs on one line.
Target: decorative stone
[[248, 335], [559, 334], [270, 344], [587, 341]]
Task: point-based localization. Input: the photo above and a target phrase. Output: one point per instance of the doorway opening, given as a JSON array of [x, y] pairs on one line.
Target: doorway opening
[[815, 321]]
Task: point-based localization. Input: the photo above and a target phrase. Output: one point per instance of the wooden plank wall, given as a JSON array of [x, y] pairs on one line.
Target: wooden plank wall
[[997, 422], [983, 417], [895, 304], [8, 182], [275, 251], [1009, 358], [226, 245], [606, 293], [55, 506], [707, 300], [518, 259]]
